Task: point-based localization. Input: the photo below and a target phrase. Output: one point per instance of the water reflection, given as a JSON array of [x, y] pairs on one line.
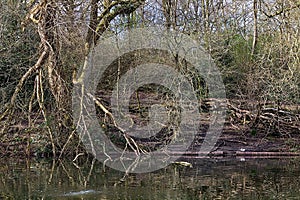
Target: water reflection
[[208, 179]]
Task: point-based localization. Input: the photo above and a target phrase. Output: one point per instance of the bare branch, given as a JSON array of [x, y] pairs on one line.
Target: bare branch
[[281, 11]]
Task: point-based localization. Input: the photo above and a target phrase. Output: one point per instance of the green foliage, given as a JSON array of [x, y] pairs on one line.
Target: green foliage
[[234, 59], [240, 49], [278, 67], [17, 47]]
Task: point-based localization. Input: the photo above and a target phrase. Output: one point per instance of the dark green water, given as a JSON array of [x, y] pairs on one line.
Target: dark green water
[[208, 179]]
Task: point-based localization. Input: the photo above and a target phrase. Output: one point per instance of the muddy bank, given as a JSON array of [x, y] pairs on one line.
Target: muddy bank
[[230, 143], [246, 132]]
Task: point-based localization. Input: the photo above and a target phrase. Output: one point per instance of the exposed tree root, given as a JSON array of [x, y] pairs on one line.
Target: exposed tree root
[[266, 119]]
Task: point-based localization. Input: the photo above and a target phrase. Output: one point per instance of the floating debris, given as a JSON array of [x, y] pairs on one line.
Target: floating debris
[[79, 193], [183, 163]]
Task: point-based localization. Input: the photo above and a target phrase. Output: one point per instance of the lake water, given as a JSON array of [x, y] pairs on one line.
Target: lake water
[[208, 179]]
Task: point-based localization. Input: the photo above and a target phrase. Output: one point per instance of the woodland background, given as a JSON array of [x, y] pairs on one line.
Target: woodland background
[[43, 43]]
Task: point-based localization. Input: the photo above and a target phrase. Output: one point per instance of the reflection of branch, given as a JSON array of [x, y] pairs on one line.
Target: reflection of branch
[[49, 179], [87, 179], [66, 171], [130, 168]]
